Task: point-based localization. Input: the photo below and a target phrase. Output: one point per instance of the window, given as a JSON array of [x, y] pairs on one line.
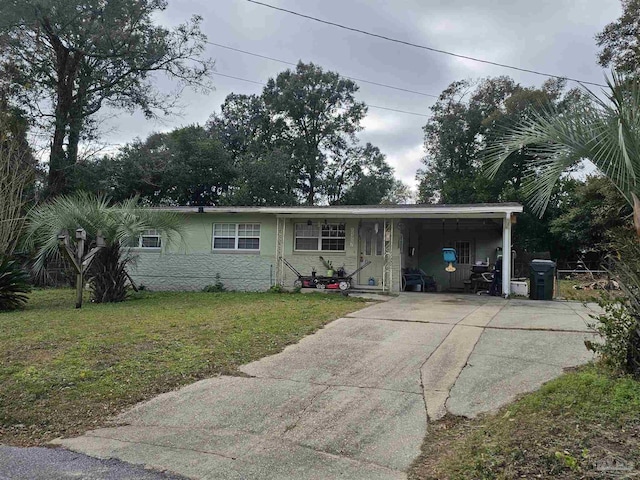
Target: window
[[463, 250], [236, 236], [324, 237], [148, 239], [380, 242]]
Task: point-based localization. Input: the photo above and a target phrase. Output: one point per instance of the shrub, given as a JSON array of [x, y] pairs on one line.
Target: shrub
[[614, 326], [216, 287], [619, 325], [14, 284]]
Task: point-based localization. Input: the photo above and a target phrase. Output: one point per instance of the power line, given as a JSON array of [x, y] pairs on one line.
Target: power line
[[238, 78], [362, 80], [368, 104], [423, 47]]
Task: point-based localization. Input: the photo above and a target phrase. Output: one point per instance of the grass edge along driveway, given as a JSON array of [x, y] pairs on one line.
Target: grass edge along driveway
[[576, 426], [64, 371]]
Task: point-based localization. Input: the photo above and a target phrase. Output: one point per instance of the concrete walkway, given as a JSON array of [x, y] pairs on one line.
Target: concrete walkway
[[353, 400]]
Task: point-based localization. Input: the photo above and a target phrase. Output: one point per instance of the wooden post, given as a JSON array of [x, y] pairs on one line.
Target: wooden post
[[78, 259], [81, 236]]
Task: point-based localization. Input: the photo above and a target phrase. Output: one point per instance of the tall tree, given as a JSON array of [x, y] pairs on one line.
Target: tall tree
[[453, 140], [186, 166], [73, 57], [321, 116], [358, 176], [293, 143], [620, 41], [595, 211], [257, 147], [399, 193]]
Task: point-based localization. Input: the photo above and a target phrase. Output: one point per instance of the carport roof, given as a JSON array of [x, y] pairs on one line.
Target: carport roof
[[484, 210]]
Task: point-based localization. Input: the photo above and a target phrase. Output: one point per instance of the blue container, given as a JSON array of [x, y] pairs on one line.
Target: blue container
[[372, 281], [449, 255]]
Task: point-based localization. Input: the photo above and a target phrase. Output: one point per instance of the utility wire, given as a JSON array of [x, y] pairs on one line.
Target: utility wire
[[362, 80], [368, 104], [423, 47]]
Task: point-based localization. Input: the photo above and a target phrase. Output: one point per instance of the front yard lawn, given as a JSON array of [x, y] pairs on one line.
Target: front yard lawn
[[63, 371], [574, 427]]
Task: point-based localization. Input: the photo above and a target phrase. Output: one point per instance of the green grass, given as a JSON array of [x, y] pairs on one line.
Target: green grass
[[63, 370], [561, 431]]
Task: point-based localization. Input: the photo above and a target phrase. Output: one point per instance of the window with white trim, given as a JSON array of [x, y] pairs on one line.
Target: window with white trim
[[326, 237], [148, 239], [236, 236]]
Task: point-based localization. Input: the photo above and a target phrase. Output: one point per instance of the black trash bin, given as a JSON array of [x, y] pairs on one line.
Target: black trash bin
[[541, 276]]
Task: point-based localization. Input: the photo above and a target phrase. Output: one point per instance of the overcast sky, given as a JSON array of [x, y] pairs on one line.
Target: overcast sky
[[553, 36]]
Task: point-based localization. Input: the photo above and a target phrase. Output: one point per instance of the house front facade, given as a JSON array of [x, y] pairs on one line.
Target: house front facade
[[247, 246]]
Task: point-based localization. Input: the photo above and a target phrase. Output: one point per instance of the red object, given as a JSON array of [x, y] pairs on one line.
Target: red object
[[333, 286]]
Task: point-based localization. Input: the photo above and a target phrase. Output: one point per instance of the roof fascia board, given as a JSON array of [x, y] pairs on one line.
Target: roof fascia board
[[414, 212]]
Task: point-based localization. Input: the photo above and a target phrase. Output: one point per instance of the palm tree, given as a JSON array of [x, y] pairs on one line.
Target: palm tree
[[605, 131], [118, 224]]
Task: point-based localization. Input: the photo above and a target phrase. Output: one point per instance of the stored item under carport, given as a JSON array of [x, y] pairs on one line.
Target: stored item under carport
[[336, 282], [542, 274]]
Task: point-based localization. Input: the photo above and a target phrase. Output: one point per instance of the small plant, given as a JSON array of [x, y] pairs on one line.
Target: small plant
[[216, 287], [615, 327], [276, 288], [14, 285], [567, 460]]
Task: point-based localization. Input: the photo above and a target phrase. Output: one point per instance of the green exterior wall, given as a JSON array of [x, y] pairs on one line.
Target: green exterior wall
[[190, 263]]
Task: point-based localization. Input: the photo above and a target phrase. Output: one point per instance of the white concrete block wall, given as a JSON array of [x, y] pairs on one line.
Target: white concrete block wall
[[193, 271]]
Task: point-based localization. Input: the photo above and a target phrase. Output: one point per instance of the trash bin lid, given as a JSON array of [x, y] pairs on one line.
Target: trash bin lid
[[542, 265]]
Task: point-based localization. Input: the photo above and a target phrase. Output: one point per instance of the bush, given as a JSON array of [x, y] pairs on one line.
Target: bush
[[615, 327], [619, 326], [216, 287], [14, 285]]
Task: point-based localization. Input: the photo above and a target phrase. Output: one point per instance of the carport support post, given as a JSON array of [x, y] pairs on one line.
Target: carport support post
[[506, 255]]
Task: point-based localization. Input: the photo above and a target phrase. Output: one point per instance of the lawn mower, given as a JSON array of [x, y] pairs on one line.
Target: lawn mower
[[338, 280]]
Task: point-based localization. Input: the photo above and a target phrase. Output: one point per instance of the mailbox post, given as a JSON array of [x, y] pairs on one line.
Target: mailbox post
[[75, 254]]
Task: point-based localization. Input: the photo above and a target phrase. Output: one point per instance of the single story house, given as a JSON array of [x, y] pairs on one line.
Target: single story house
[[246, 245]]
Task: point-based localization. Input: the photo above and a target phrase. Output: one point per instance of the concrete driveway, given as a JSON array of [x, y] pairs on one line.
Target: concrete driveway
[[353, 400]]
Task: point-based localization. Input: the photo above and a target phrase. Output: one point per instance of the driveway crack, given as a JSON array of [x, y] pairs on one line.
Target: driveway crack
[[344, 385], [458, 323], [288, 428]]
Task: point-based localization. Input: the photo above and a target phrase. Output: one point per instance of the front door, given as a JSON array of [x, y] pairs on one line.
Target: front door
[[371, 247]]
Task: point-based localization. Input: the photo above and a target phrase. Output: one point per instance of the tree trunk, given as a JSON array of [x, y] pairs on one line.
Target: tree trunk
[[57, 157], [312, 193], [75, 129], [66, 72]]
